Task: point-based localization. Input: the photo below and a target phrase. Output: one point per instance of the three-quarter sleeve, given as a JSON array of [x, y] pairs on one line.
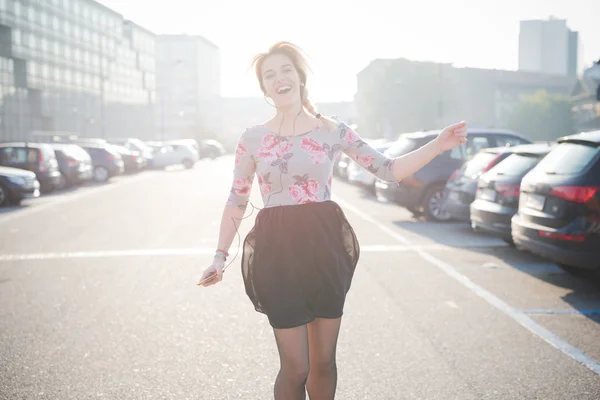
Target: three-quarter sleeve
[[243, 174], [365, 155]]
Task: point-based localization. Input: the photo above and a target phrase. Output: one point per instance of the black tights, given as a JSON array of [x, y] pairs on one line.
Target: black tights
[[307, 358]]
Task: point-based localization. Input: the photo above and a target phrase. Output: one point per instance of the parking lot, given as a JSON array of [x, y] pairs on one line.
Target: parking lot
[[98, 299]]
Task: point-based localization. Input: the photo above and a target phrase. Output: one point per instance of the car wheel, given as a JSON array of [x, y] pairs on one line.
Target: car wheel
[[433, 204], [187, 163], [100, 174]]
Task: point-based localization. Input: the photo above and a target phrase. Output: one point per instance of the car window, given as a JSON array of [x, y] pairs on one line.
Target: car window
[[516, 164], [475, 144], [16, 155], [478, 163], [457, 153], [568, 159]]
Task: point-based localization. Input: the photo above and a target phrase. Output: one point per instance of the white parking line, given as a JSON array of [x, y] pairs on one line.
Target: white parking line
[[517, 315], [176, 252]]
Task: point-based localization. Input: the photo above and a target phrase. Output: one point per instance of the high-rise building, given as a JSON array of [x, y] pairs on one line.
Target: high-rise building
[[548, 46], [188, 85], [74, 66]]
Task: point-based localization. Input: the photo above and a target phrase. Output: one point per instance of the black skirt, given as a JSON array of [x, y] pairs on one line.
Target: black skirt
[[298, 262]]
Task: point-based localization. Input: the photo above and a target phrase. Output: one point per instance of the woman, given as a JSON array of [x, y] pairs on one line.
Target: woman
[[299, 258]]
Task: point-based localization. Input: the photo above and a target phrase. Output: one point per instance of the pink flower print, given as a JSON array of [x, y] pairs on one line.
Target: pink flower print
[[351, 136], [284, 148], [239, 153], [316, 150], [311, 187], [269, 141], [273, 148], [241, 186], [365, 160], [265, 183], [296, 193]]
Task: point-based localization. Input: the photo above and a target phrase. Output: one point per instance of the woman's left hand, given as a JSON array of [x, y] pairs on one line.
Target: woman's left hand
[[452, 136]]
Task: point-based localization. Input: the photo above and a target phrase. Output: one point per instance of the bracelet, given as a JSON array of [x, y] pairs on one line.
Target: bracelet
[[225, 253]]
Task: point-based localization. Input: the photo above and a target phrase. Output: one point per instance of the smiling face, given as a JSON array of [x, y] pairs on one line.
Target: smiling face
[[280, 80]]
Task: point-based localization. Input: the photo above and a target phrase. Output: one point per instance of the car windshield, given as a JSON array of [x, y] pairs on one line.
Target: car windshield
[[478, 163], [516, 165], [568, 159]]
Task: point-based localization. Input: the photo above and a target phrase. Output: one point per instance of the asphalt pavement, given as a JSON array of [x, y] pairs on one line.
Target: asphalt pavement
[[98, 301]]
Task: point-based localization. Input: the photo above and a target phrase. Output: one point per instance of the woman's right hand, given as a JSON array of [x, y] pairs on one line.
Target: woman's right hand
[[213, 274]]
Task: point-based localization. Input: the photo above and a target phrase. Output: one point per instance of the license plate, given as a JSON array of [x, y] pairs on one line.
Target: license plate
[[535, 201], [488, 194]]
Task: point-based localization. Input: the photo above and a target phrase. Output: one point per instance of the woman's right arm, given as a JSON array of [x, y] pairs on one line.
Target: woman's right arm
[[233, 213]]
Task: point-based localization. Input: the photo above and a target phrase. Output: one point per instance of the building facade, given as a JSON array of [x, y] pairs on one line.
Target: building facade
[[74, 66], [398, 95], [188, 86], [548, 46]]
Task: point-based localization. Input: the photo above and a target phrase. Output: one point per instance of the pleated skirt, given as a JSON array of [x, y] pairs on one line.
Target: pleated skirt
[[298, 262]]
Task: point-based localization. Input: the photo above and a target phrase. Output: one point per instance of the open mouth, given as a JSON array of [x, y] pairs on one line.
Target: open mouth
[[284, 89]]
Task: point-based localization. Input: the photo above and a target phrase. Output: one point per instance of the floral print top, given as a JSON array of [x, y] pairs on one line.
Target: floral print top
[[298, 169]]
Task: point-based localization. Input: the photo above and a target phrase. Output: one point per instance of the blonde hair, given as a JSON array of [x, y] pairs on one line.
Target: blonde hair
[[300, 63]]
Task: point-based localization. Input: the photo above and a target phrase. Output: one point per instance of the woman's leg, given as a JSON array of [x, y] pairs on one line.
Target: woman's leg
[[293, 356], [322, 343]]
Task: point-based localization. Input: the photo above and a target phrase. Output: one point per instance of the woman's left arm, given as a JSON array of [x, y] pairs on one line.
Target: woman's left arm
[[398, 168]]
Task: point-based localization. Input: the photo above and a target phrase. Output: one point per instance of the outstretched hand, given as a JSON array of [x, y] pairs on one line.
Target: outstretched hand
[[452, 136]]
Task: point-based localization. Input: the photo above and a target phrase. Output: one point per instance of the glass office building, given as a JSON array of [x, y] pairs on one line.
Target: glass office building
[[74, 66]]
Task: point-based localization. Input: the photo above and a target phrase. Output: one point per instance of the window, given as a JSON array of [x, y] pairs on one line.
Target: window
[[16, 156], [17, 37], [568, 159], [516, 165], [475, 144]]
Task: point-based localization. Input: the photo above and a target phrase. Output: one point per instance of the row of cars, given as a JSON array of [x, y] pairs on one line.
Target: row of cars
[[540, 197], [28, 169]]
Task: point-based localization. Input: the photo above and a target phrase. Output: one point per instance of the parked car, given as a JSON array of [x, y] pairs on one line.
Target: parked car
[[38, 158], [497, 196], [74, 163], [212, 149], [559, 205], [135, 145], [17, 184], [462, 185], [133, 161], [106, 160], [176, 153], [423, 192]]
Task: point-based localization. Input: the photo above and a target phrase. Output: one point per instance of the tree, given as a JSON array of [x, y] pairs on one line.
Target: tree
[[543, 116]]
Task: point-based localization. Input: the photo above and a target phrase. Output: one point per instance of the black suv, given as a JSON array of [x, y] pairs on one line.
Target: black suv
[[497, 196], [423, 191], [559, 205]]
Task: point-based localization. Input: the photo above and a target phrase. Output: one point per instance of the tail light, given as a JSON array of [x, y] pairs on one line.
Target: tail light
[[454, 175], [577, 194], [562, 236], [508, 190], [71, 162], [41, 163], [491, 164]]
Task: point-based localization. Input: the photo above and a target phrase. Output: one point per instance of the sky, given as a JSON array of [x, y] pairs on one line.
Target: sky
[[342, 39]]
